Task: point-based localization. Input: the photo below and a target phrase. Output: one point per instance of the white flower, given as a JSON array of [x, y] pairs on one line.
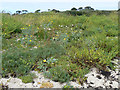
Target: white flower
[[61, 25], [35, 46], [49, 28], [18, 39]]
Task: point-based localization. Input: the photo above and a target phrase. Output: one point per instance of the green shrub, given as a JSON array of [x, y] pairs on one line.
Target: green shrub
[[57, 74], [28, 78], [18, 61]]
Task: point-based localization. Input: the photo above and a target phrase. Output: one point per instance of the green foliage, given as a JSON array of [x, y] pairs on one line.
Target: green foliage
[[67, 86], [17, 61], [28, 78], [49, 50], [26, 39], [64, 48], [42, 66], [10, 25], [57, 74], [46, 64]]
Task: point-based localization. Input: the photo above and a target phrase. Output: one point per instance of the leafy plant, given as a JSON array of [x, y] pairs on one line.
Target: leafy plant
[[57, 74], [28, 78], [67, 86]]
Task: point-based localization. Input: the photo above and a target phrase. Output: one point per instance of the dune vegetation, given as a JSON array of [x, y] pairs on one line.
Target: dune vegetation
[[64, 47]]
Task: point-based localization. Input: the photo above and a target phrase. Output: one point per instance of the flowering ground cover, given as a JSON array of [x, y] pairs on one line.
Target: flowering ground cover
[[63, 47]]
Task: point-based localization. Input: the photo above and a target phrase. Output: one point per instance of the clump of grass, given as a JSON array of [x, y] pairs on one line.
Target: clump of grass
[[28, 78]]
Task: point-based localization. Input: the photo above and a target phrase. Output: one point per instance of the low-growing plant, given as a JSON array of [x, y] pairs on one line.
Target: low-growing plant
[[49, 50], [42, 66], [57, 74], [67, 86], [28, 78], [17, 61]]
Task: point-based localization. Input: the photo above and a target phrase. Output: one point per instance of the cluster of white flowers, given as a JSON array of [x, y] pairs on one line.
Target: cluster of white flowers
[[60, 25]]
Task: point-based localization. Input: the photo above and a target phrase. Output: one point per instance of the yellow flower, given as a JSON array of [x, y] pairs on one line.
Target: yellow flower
[[5, 33], [30, 40], [29, 25], [23, 28], [44, 60], [39, 46], [52, 63], [53, 38], [30, 35], [64, 38], [90, 61]]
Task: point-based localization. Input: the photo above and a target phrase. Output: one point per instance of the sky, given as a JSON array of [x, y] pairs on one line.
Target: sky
[[62, 5]]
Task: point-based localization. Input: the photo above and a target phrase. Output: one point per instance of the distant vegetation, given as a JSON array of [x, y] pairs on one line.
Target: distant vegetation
[[88, 10]]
